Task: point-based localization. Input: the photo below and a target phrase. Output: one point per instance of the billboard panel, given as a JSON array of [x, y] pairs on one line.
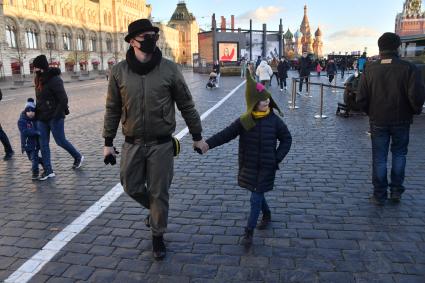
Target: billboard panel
[[228, 51]]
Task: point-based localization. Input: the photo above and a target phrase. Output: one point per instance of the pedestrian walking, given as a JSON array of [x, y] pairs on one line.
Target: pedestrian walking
[[52, 107], [318, 68], [30, 137], [8, 151], [391, 92], [217, 70], [244, 65], [361, 63], [142, 93], [257, 63], [282, 70], [264, 72], [264, 141], [343, 66], [331, 70], [304, 71], [273, 65]]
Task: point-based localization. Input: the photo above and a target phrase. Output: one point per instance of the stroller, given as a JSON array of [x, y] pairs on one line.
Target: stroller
[[212, 81], [350, 92]]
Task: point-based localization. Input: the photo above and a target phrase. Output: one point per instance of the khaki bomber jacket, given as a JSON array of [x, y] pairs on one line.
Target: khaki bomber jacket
[[145, 104]]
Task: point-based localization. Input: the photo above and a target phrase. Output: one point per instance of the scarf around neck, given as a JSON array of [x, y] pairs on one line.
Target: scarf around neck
[[143, 68]]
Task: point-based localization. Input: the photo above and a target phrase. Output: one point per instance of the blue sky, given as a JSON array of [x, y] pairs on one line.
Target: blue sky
[[347, 25]]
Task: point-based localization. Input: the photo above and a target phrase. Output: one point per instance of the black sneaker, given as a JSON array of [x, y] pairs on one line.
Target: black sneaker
[[8, 155], [265, 221], [46, 175], [78, 162], [247, 237], [34, 176], [158, 247]]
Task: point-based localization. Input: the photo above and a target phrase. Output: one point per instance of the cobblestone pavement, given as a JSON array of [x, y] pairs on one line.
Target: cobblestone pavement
[[324, 228]]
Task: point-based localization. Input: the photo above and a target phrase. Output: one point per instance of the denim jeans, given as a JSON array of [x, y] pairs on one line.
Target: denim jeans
[[258, 203], [35, 160], [302, 79], [381, 137], [5, 141], [282, 82], [56, 126]]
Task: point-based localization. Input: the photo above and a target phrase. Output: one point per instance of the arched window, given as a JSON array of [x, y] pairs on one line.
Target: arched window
[[31, 36], [11, 32], [67, 39], [93, 42], [80, 41], [50, 37]]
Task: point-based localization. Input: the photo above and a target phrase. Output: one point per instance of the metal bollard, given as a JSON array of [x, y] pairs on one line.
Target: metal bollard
[[309, 89], [294, 95], [321, 116], [292, 90]]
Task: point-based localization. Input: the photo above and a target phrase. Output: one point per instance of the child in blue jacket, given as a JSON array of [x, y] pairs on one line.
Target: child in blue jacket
[[264, 141], [29, 136]]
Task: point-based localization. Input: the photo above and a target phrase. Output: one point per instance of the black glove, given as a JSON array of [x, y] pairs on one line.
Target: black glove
[[198, 150], [110, 159]]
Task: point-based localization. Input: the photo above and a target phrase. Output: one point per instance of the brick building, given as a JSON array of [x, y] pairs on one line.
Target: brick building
[[411, 21]]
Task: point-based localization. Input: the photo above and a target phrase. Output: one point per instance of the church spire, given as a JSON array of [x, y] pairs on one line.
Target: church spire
[[305, 25]]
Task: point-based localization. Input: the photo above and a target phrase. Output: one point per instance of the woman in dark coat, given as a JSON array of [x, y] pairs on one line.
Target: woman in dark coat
[[8, 151], [259, 130], [52, 106], [282, 70]]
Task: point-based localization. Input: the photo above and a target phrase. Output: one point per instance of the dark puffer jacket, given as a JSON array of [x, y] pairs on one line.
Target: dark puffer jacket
[[52, 101], [259, 154], [29, 133]]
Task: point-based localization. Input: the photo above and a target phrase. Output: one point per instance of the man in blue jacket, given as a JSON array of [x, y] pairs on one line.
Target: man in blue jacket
[[391, 92]]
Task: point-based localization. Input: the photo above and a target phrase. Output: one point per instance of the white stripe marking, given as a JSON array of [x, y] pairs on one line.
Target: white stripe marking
[[32, 266]]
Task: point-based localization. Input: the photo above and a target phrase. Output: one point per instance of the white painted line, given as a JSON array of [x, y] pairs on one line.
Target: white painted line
[[209, 111], [32, 266], [10, 99]]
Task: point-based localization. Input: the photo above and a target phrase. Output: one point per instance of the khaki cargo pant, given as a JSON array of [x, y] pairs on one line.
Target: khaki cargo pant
[[146, 174]]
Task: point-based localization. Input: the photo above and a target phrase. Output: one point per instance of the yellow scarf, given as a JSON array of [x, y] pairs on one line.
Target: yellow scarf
[[260, 114]]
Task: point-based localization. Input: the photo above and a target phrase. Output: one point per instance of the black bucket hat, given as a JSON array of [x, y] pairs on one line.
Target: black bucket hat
[[139, 26]]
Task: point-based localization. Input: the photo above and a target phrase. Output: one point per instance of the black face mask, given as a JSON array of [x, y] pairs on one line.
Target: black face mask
[[38, 73], [148, 45]]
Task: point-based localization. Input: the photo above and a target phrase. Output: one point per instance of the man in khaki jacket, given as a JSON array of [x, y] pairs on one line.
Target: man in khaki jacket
[[142, 93]]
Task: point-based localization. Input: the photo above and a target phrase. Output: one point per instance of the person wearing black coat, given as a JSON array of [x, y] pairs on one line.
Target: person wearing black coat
[[391, 92], [282, 71], [259, 130], [52, 107], [304, 71], [8, 151], [331, 70]]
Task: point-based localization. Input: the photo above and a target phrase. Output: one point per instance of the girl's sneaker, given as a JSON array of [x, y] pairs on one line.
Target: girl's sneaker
[[46, 175]]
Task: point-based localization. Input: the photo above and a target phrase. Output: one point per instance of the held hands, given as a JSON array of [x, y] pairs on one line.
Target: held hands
[[110, 152], [201, 146]]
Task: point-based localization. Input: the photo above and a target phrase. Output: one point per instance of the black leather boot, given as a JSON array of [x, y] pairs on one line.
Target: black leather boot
[[158, 247], [247, 237], [265, 221]]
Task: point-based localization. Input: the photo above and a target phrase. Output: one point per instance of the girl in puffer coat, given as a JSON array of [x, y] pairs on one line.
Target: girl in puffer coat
[[259, 130]]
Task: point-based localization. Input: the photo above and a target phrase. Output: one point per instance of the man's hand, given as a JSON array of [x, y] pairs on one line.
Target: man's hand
[[109, 152], [202, 145]]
